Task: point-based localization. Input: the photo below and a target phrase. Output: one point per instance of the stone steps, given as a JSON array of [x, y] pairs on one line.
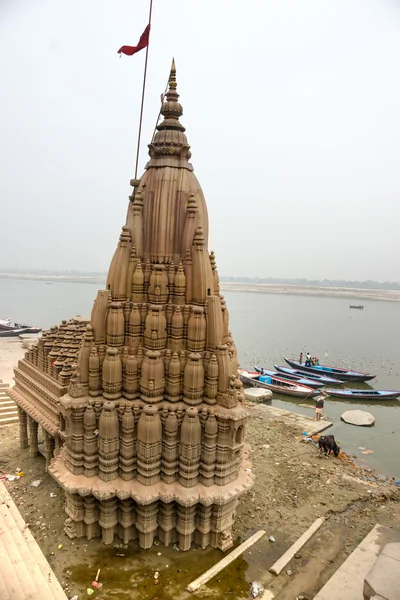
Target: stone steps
[[25, 573], [8, 408]]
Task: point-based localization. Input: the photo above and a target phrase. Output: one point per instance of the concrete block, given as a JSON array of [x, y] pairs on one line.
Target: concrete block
[[257, 395]]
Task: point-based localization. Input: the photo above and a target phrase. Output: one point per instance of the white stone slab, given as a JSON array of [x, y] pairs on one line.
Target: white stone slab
[[257, 394], [358, 417]]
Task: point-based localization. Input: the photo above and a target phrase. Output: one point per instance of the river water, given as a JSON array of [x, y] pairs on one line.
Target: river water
[[266, 328]]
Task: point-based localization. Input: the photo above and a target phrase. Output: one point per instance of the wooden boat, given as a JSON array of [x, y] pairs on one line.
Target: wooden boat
[[323, 379], [300, 379], [275, 384], [350, 394], [335, 372], [8, 325], [359, 306], [13, 332]]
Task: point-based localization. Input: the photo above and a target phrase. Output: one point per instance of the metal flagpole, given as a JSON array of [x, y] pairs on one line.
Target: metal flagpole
[[143, 92]]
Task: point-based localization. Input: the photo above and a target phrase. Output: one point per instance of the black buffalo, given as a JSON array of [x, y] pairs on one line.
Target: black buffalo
[[328, 445]]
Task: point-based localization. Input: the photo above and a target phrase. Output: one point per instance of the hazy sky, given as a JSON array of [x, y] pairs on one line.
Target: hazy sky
[[292, 110]]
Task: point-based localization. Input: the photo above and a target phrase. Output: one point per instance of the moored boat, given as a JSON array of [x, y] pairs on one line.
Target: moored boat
[[350, 394], [323, 379], [13, 332], [335, 372], [300, 379], [359, 306], [275, 384], [8, 325]]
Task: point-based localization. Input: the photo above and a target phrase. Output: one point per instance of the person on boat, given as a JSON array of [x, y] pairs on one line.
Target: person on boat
[[317, 362], [301, 358], [308, 359], [318, 407]]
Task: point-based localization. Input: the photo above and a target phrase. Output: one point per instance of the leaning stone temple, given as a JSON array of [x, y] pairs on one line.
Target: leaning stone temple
[[141, 408]]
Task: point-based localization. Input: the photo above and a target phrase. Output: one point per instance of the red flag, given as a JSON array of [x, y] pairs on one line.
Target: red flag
[[143, 43]]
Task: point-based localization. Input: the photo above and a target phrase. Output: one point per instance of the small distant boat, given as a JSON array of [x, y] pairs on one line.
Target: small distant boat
[[8, 325], [335, 372], [275, 384], [300, 379], [360, 306], [323, 379], [351, 394]]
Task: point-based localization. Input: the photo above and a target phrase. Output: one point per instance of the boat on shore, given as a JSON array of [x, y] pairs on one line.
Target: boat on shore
[[8, 325], [350, 394], [359, 306], [323, 379], [300, 379], [13, 333], [275, 384], [335, 372]]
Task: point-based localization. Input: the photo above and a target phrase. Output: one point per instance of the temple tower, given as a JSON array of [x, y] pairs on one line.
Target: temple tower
[[148, 414]]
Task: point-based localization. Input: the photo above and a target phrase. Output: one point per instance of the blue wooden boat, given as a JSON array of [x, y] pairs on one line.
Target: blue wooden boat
[[350, 394], [312, 383], [275, 384], [323, 379], [335, 372]]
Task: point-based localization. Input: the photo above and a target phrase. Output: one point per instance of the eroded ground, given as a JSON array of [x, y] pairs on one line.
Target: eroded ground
[[293, 486]]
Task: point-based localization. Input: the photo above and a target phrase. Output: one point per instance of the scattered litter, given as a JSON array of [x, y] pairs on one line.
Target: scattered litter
[[304, 433], [175, 547], [397, 482], [89, 591], [367, 452], [289, 572], [248, 470], [20, 473], [96, 583], [361, 448], [158, 553], [59, 546], [36, 483], [156, 575], [271, 538], [119, 554], [256, 589], [74, 598], [53, 495]]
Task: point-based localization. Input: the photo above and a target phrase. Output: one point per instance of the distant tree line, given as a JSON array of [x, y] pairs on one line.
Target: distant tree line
[[341, 283]]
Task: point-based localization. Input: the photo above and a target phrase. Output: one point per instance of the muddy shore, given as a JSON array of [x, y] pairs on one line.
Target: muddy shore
[[293, 486]]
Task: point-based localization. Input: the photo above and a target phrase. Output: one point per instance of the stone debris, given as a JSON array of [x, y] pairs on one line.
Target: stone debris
[[358, 417]]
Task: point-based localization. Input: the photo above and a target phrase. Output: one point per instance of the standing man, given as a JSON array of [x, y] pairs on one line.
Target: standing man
[[301, 358], [318, 407], [308, 359]]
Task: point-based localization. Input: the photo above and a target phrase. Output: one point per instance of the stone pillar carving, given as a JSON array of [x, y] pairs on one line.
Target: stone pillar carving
[[74, 459], [131, 269], [33, 437], [214, 272], [108, 519], [190, 448], [211, 381], [177, 342], [23, 428], [108, 442], [180, 286], [117, 274], [146, 523], [91, 517], [115, 326], [209, 450], [127, 456], [155, 333], [138, 284], [193, 380], [147, 275], [48, 446], [186, 526], [112, 374], [130, 384], [152, 381], [149, 446], [158, 285], [173, 380], [215, 326], [196, 337], [167, 523], [94, 373], [90, 450], [170, 449], [135, 328]]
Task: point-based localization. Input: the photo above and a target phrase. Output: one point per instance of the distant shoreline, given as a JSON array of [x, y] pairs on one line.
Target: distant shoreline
[[260, 288]]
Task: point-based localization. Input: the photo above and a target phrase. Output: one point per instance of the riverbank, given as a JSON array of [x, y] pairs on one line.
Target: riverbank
[[261, 288]]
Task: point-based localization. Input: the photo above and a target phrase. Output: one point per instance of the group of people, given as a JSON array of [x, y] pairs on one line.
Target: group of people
[[310, 361]]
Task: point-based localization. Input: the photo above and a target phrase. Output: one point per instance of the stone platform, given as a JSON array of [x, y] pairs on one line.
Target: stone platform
[[362, 566], [308, 424], [25, 573], [8, 408]]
